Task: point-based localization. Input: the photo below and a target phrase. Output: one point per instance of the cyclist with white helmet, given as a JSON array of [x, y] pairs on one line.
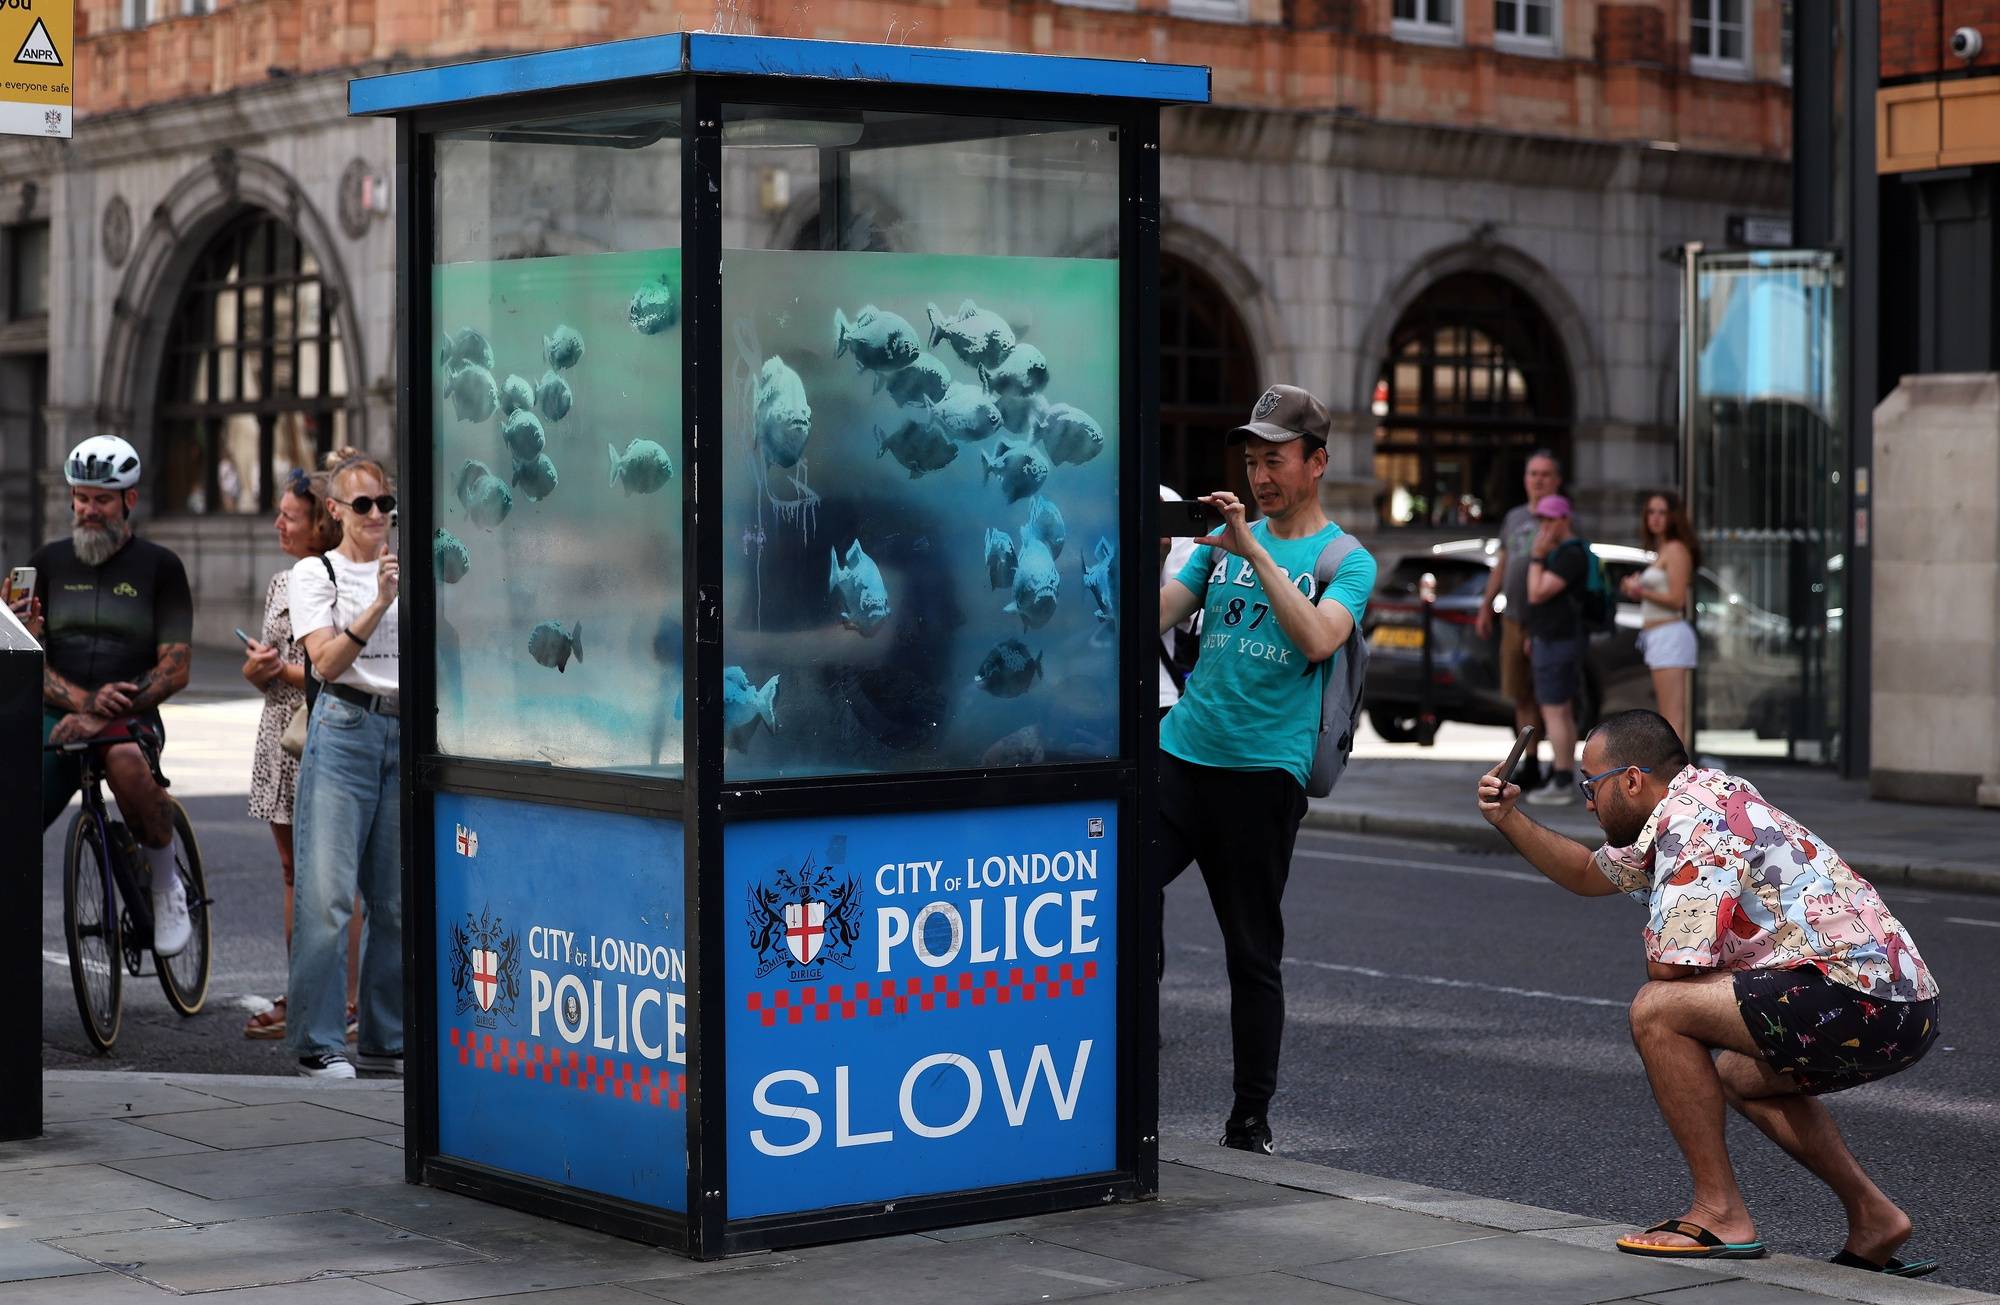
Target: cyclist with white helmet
[[115, 618]]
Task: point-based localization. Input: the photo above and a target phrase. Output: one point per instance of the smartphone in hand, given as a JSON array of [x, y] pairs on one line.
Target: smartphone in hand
[[20, 582], [1521, 746], [243, 639], [1188, 518]]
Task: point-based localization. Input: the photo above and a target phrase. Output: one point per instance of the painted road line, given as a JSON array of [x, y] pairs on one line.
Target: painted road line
[[1960, 919], [1483, 872], [1433, 980]]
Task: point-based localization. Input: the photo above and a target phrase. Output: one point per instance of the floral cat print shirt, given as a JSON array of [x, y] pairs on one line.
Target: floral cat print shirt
[[1734, 883]]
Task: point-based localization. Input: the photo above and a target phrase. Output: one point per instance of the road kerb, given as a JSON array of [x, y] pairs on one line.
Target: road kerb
[[1479, 836]]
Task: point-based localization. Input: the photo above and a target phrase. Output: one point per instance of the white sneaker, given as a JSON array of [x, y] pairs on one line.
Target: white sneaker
[[171, 926], [1560, 791], [376, 1063], [330, 1065]]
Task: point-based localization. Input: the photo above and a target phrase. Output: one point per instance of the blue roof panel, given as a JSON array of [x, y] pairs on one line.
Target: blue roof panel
[[765, 56], [932, 66], [547, 70]]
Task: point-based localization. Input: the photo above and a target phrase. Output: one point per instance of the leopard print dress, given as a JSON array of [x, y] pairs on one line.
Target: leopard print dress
[[274, 777]]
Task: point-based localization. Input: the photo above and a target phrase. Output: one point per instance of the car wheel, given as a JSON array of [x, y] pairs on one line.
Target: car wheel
[[1392, 725]]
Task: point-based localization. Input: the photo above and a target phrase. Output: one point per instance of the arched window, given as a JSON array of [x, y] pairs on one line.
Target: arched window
[[1208, 379], [1475, 381], [254, 381]]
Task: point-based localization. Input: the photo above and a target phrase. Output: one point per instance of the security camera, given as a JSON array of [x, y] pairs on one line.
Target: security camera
[[1966, 43]]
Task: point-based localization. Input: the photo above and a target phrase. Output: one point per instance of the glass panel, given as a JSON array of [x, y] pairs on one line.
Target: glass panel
[[1438, 12], [253, 312], [237, 465], [184, 486], [309, 369], [294, 444], [556, 429], [1768, 506], [225, 318], [29, 276], [921, 496], [225, 375], [336, 368]]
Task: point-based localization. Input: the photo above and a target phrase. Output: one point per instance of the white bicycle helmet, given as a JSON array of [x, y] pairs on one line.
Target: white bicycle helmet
[[103, 462]]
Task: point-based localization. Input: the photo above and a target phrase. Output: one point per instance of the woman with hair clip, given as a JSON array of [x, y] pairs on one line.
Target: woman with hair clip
[[349, 814], [1667, 639], [275, 665]]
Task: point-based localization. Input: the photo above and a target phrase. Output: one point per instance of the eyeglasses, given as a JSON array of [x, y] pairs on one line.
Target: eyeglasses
[[1588, 785], [365, 504]]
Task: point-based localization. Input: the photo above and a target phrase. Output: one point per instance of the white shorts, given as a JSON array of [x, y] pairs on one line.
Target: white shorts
[[1668, 647]]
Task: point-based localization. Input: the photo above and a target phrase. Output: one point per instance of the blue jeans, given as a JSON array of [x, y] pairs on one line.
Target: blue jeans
[[347, 837]]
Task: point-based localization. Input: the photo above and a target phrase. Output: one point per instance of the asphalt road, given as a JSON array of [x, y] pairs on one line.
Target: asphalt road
[[1455, 1020]]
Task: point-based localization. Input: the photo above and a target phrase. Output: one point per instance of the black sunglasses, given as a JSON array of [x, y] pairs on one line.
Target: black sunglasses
[[365, 504]]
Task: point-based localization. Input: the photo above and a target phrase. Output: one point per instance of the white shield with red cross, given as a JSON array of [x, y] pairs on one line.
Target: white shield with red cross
[[805, 930], [485, 977]]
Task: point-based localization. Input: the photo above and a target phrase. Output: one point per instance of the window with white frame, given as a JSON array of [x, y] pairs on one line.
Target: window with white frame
[[1718, 35], [1429, 20], [1215, 11], [136, 13], [1529, 23]]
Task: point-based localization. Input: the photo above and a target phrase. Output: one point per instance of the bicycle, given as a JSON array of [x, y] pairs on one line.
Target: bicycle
[[103, 864]]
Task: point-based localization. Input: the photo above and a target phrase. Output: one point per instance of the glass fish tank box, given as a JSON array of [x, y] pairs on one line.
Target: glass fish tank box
[[780, 657]]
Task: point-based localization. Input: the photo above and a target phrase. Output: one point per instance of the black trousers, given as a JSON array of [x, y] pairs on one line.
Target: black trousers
[[1239, 827]]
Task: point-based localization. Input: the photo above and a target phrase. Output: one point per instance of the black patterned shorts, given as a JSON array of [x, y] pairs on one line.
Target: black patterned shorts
[[1825, 1036]]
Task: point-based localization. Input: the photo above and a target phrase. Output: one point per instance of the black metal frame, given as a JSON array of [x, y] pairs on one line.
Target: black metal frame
[[703, 799]]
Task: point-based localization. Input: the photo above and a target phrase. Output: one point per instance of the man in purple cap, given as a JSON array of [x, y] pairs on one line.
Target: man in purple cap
[[1558, 570], [1279, 598]]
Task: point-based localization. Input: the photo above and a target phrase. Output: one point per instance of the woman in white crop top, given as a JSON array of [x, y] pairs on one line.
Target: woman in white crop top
[[1667, 639]]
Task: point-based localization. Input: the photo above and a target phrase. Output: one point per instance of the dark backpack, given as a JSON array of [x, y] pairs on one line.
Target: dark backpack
[[1595, 603], [1341, 684]]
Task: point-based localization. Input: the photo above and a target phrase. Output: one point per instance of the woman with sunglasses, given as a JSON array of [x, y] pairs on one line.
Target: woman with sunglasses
[[275, 665], [348, 819]]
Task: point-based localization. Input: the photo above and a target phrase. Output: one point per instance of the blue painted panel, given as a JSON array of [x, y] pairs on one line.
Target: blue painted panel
[[647, 56], [906, 65], [562, 1047], [654, 56], [919, 1003]]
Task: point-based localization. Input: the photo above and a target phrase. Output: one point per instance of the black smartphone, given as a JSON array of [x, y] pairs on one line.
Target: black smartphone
[[1521, 746], [242, 638], [1188, 518]]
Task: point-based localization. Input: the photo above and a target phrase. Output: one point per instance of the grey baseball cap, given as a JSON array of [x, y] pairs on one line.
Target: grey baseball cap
[[1285, 413]]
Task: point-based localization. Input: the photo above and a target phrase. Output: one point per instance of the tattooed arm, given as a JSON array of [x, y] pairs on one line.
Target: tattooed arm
[[168, 677], [62, 693]]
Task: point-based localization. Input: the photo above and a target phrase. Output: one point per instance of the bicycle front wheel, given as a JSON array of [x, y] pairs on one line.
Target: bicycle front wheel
[[184, 977], [90, 923]]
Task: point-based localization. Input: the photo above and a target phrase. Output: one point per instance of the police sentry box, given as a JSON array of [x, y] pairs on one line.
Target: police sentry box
[[779, 650]]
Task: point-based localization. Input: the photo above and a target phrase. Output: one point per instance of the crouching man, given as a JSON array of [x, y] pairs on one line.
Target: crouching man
[[1762, 946]]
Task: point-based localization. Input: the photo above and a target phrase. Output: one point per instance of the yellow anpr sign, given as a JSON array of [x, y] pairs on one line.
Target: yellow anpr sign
[[37, 58]]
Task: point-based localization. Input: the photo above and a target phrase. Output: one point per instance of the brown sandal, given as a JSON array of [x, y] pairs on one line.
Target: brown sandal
[[267, 1025]]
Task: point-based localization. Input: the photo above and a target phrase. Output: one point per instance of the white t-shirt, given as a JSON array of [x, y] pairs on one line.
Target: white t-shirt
[[1177, 555], [316, 605]]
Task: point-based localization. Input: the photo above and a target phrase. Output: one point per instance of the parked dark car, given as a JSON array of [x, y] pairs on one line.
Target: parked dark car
[[1753, 653], [1465, 669]]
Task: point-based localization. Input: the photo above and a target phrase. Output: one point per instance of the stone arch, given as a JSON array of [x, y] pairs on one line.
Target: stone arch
[[1253, 302], [193, 212], [1586, 368]]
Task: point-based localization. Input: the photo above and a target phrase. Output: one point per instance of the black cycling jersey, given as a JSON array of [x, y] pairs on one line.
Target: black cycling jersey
[[107, 623]]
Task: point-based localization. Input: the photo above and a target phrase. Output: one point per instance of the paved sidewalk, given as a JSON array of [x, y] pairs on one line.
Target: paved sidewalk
[[265, 1190], [1889, 842]]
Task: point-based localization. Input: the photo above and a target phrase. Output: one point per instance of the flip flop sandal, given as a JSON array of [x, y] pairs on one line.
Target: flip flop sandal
[[1707, 1246], [267, 1025], [1895, 1268]]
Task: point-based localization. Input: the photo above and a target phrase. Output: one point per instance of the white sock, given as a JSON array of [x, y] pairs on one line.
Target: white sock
[[166, 875]]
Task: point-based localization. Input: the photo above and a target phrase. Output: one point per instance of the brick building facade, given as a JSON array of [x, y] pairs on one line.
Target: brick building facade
[[1446, 217]]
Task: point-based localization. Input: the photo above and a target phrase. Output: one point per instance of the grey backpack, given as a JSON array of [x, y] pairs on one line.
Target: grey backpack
[[1341, 685]]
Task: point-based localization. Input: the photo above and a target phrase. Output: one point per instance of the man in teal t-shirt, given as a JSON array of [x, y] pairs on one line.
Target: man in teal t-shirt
[[1237, 749]]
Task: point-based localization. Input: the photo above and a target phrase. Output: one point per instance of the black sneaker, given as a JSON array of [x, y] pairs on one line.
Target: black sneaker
[[1248, 1133], [330, 1065], [1529, 774]]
